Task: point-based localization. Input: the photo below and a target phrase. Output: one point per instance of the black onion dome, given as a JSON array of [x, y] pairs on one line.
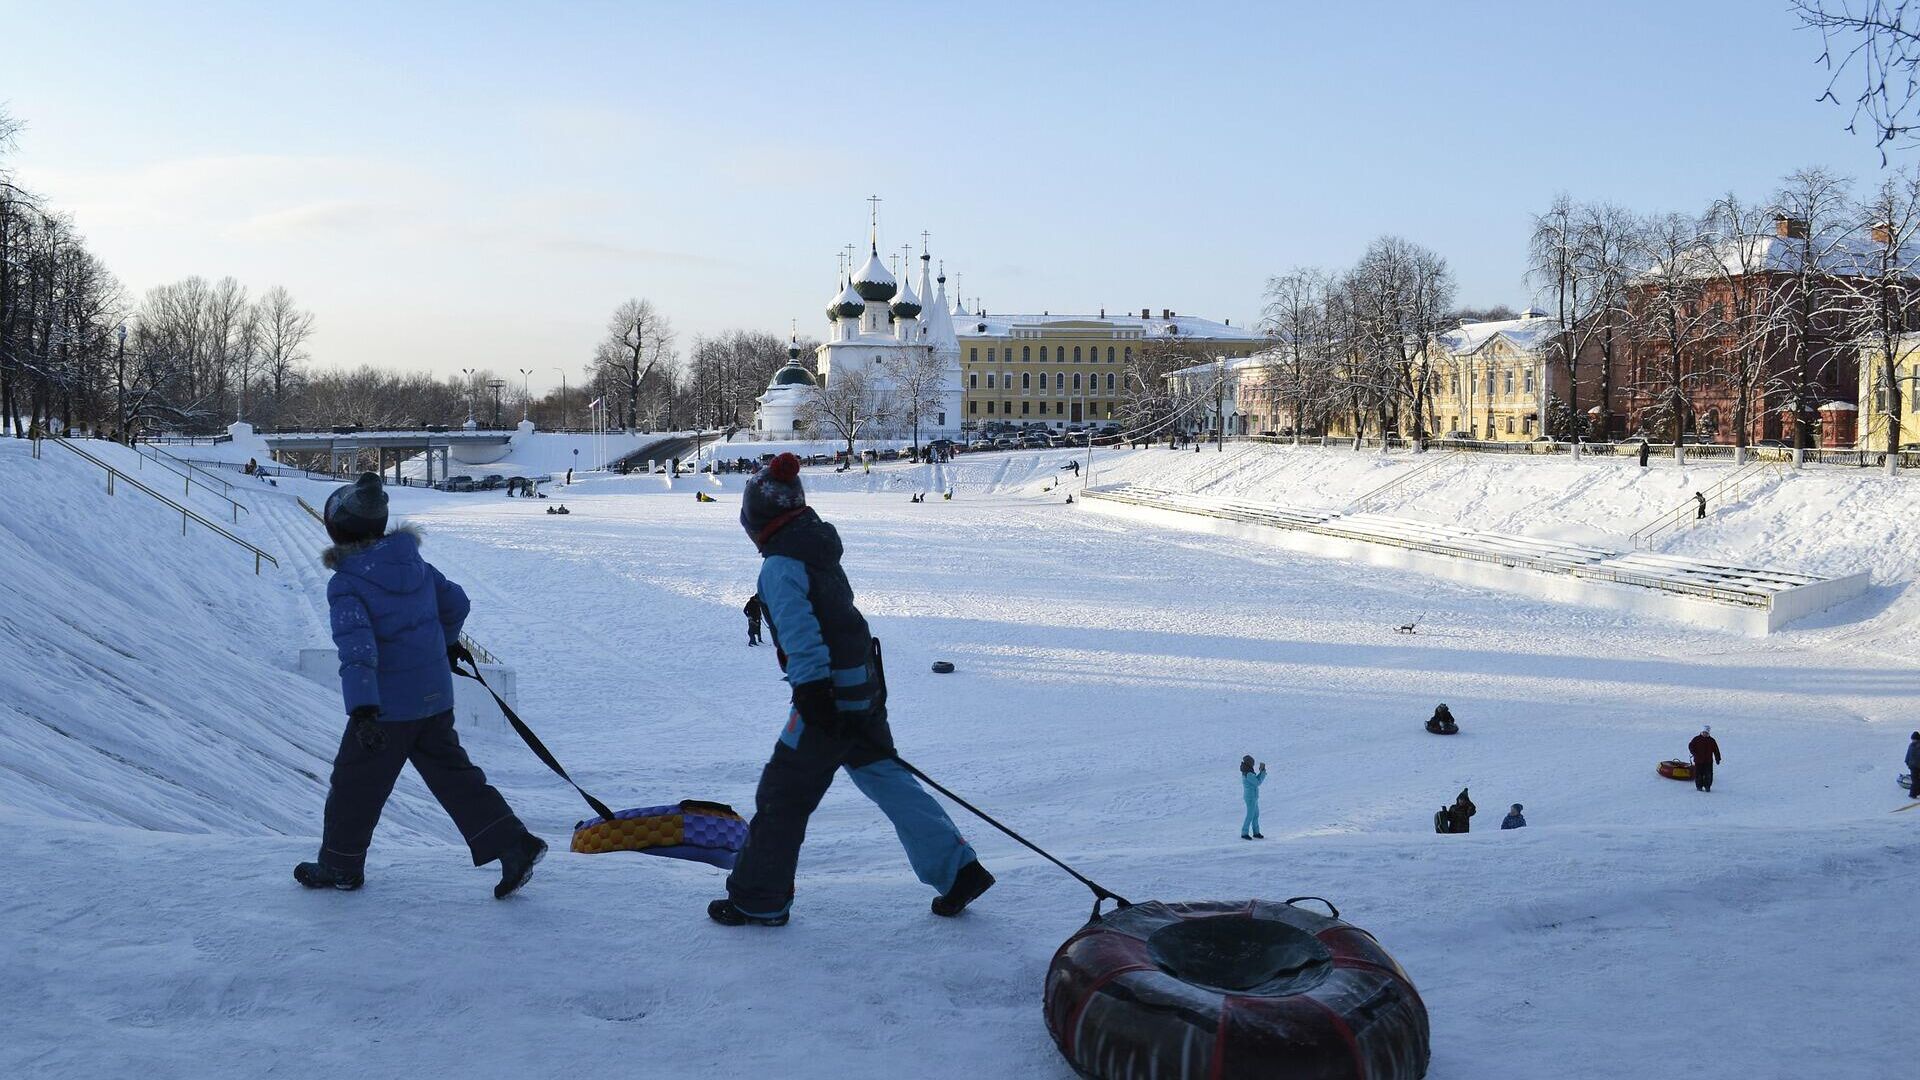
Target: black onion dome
[[906, 305], [873, 281], [847, 305], [791, 374]]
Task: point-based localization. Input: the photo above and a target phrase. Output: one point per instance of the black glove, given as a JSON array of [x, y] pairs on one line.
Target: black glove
[[814, 702], [366, 728], [457, 652]]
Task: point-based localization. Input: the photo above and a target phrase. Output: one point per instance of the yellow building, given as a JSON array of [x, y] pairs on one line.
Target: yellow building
[[1492, 380], [1872, 432], [1059, 370]]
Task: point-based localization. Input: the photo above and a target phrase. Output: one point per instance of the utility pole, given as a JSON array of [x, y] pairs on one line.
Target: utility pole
[[563, 397], [1220, 407]]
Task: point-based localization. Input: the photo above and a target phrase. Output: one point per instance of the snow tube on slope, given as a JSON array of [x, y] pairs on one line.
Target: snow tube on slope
[[701, 831], [1442, 729], [1227, 989], [1675, 769]]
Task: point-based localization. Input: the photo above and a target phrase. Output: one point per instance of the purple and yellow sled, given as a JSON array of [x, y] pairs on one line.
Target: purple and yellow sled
[[707, 832]]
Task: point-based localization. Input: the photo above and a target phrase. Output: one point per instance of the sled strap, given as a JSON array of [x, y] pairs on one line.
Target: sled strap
[[1100, 892], [533, 742]]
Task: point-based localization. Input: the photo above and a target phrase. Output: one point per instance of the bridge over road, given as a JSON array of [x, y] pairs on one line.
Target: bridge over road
[[345, 447]]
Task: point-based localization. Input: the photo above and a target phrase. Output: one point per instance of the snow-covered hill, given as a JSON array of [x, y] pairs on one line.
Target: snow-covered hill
[[1109, 678]]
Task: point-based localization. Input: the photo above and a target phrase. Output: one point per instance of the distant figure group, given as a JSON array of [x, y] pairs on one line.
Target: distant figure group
[[1442, 722]]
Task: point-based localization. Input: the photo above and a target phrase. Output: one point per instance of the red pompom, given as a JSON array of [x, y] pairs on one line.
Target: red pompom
[[784, 468]]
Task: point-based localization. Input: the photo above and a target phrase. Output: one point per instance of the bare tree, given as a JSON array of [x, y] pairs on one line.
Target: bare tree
[[284, 330], [919, 390], [849, 405], [639, 338], [1809, 312], [1397, 296], [1671, 323], [1887, 291], [1878, 42], [1742, 307], [1610, 243], [1556, 264], [1302, 373]]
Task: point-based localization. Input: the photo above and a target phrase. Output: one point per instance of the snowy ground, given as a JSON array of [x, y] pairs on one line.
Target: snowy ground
[[159, 767]]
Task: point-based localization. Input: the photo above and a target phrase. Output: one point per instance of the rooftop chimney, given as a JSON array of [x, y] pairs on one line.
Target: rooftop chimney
[[1166, 313], [1146, 313], [1790, 228]]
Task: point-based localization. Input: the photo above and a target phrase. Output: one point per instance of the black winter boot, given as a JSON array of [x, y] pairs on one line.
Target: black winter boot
[[968, 884], [317, 875], [516, 864], [724, 913]]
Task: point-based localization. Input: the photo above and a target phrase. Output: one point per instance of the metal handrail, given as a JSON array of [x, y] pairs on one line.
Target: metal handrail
[[185, 514], [1727, 488], [1419, 470], [479, 651], [1332, 528], [188, 478], [192, 466]]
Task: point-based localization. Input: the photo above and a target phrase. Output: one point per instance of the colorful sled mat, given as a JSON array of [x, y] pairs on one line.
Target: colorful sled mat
[[707, 832]]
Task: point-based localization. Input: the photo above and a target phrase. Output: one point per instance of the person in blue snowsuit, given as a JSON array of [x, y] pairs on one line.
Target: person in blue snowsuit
[[396, 620], [1250, 781], [837, 718], [1514, 819]]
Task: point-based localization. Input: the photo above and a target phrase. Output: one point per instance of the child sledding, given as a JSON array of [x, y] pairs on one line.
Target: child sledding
[[1442, 722]]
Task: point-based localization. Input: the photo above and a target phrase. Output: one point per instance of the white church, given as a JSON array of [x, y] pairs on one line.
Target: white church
[[877, 327]]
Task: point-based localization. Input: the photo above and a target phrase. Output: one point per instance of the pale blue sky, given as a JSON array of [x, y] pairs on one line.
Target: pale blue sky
[[451, 183]]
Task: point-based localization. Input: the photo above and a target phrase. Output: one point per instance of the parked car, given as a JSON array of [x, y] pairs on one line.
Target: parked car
[[1109, 429], [493, 480], [1036, 440], [980, 444], [1006, 442], [460, 483], [1461, 435]]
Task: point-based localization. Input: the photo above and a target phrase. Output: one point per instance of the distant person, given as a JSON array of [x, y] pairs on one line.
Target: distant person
[[1250, 781], [253, 466], [1706, 754], [1913, 766], [1700, 512], [753, 612], [1514, 819], [1455, 818], [396, 620], [1646, 448], [623, 469], [1441, 722]]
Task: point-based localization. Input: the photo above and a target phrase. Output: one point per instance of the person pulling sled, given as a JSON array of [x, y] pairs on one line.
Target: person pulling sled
[[396, 620], [837, 718], [1706, 754]]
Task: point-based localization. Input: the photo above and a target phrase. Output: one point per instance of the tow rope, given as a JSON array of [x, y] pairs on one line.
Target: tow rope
[[533, 741], [1101, 893]]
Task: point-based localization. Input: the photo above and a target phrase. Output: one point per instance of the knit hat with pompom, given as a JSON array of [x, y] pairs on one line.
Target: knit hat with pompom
[[773, 492]]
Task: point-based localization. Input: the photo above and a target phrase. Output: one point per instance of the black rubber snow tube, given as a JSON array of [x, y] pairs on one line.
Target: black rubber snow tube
[[1219, 989]]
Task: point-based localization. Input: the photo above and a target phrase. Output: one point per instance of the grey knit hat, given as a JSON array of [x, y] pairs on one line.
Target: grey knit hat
[[357, 511]]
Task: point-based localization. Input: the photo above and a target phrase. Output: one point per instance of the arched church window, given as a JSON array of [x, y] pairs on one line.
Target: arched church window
[[1026, 353], [1076, 359]]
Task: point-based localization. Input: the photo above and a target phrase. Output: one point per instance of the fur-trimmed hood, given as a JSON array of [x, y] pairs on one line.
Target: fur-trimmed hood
[[391, 562]]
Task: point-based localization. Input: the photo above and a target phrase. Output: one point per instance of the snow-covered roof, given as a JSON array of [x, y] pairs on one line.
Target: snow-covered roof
[[936, 323], [1526, 335], [874, 281], [1182, 326], [1839, 255]]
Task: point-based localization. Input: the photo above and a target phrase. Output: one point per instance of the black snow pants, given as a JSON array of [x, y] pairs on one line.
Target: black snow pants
[[1703, 775], [362, 779]]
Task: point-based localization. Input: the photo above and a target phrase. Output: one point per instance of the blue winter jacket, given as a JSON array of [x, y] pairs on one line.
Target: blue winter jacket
[[1250, 785], [393, 616], [1513, 821], [1913, 754], [809, 608]]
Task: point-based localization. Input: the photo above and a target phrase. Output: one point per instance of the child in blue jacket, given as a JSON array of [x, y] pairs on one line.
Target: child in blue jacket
[[838, 719], [1250, 782], [396, 620]]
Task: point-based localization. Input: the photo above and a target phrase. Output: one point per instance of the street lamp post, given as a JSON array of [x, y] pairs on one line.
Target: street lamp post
[[468, 373], [496, 385], [120, 386], [563, 397], [526, 393]]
